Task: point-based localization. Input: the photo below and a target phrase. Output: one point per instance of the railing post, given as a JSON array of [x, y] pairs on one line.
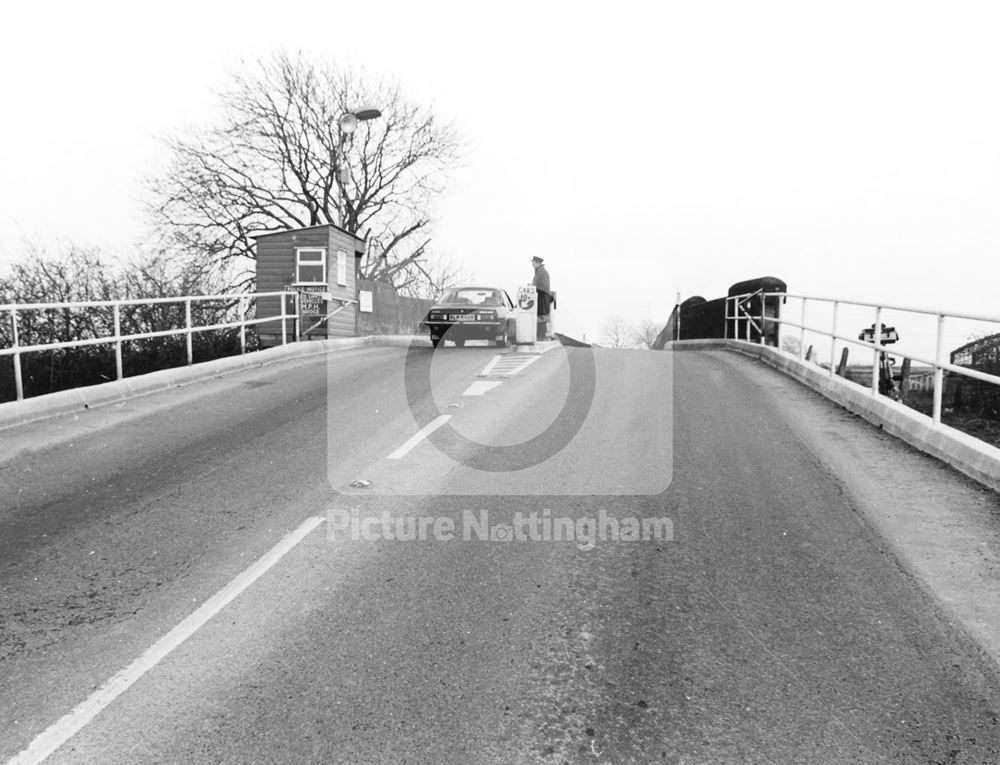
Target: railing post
[[298, 316], [18, 381], [119, 370], [677, 324], [938, 372], [763, 326], [876, 338], [284, 318], [725, 321], [187, 324], [802, 332], [833, 338], [243, 324]]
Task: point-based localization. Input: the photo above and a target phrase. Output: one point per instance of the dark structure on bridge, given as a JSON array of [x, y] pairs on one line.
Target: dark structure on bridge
[[977, 397], [697, 318]]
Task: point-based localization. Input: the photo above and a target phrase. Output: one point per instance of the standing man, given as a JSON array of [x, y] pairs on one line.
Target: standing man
[[546, 301]]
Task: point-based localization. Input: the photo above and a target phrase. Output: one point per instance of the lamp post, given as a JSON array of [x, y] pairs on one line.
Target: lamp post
[[347, 124]]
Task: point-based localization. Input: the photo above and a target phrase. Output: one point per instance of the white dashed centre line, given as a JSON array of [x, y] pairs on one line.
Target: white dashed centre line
[[479, 387], [501, 365], [419, 436]]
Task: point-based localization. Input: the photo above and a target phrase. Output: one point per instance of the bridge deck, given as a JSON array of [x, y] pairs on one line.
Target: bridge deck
[[828, 594]]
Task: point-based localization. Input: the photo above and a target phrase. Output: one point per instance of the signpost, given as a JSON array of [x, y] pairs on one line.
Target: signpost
[[887, 336], [309, 302], [310, 297], [526, 315]]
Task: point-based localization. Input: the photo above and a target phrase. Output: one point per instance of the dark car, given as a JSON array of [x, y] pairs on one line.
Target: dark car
[[471, 313]]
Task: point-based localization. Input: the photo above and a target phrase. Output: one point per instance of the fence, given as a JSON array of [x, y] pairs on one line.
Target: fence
[[20, 311], [750, 319]]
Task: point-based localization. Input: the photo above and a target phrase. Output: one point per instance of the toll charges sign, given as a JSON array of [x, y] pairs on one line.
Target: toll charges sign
[[526, 297], [310, 298]]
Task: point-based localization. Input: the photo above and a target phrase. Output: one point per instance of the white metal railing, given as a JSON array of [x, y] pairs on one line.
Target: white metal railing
[[742, 308], [323, 319], [241, 301]]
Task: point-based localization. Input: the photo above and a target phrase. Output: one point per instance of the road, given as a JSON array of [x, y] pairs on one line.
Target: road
[[156, 609]]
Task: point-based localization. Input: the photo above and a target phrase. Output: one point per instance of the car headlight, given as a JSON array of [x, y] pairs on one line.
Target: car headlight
[[486, 316]]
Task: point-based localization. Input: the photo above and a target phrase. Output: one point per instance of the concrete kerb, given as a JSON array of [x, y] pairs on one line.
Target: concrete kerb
[[976, 459], [15, 413]]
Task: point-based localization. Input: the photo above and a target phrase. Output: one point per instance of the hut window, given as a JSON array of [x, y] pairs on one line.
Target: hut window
[[310, 265]]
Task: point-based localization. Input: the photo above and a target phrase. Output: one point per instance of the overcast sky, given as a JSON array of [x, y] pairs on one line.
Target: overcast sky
[[644, 149]]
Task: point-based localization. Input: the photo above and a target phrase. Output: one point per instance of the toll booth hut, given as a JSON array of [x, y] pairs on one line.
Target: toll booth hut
[[320, 263]]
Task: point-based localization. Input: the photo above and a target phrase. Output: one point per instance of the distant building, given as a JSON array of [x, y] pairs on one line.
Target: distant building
[[977, 397], [921, 377], [982, 354]]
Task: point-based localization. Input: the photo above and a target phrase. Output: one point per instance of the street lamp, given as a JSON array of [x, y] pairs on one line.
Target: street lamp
[[349, 120], [348, 123]]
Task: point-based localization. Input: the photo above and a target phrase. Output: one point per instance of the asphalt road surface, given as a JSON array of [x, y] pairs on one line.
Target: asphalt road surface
[[414, 557]]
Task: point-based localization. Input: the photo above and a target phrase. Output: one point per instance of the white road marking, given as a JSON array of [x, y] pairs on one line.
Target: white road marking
[[479, 387], [501, 365], [420, 435], [508, 365], [493, 362], [57, 734]]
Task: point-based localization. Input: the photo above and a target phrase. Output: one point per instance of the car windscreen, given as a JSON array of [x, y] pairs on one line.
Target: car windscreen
[[471, 297]]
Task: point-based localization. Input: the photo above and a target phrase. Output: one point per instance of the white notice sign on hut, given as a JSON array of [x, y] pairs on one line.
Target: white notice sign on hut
[[365, 300]]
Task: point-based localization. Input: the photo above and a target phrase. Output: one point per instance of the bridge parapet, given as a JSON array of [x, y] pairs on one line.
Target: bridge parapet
[[35, 328], [966, 453], [958, 390]]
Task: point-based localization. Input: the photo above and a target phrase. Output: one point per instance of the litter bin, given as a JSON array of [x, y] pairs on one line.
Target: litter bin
[[526, 316]]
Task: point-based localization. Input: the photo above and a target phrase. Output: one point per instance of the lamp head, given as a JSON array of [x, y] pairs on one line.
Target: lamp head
[[348, 123]]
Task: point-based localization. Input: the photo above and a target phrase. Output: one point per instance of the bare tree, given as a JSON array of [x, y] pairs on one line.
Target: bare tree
[[78, 274], [82, 274], [645, 334], [430, 278], [278, 159], [616, 333]]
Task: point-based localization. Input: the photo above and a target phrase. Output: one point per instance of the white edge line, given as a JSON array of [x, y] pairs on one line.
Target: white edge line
[[49, 740], [419, 436]]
